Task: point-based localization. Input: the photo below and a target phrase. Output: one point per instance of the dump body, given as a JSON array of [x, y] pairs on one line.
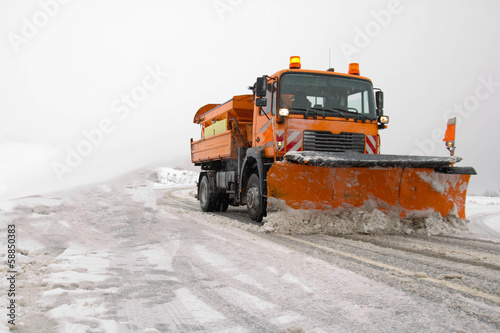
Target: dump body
[[225, 127], [311, 138]]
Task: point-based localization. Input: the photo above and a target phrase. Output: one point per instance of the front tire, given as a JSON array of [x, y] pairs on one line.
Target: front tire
[[255, 201]]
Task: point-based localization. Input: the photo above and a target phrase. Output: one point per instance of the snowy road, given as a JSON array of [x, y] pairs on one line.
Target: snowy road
[[135, 259]]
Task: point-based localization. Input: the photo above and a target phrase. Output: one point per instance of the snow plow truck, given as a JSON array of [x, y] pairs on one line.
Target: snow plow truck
[[310, 139]]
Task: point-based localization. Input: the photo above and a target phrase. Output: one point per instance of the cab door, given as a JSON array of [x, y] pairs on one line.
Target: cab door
[[264, 120]]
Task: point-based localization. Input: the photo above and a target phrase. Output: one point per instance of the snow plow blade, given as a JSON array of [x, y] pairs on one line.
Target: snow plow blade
[[410, 186]]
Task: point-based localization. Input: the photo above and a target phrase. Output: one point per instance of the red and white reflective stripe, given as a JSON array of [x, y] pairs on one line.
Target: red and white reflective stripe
[[280, 137], [371, 144], [294, 141]]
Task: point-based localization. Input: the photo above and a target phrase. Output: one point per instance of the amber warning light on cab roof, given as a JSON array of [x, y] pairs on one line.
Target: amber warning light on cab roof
[[295, 62], [354, 68]]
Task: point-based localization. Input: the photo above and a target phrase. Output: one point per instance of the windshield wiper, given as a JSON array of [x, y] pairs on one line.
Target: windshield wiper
[[355, 115], [363, 116], [314, 112], [337, 111]]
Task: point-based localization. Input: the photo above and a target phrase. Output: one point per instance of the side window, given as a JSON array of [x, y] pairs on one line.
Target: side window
[[366, 106], [355, 102], [359, 102], [274, 98]]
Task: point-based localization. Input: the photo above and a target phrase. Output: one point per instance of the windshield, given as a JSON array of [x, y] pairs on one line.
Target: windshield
[[326, 95]]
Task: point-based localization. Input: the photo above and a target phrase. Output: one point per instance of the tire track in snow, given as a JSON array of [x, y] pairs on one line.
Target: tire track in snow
[[450, 285], [252, 297], [208, 285], [434, 247], [170, 198]]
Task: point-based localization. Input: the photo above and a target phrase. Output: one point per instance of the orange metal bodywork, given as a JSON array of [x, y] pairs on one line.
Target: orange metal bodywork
[[238, 114], [405, 191], [265, 127]]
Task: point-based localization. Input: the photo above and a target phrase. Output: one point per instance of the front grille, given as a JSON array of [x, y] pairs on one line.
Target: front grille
[[329, 142]]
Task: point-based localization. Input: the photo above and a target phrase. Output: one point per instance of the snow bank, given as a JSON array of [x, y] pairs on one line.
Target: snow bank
[[168, 177], [484, 211], [365, 220], [483, 201]]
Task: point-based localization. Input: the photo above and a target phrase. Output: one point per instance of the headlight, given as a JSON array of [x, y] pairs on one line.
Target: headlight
[[283, 112], [383, 119]]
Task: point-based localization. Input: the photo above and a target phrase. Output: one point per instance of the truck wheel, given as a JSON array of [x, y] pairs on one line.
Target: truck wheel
[[255, 202], [207, 200], [223, 203]]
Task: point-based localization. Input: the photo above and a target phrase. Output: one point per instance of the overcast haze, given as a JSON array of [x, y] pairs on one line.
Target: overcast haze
[[120, 81]]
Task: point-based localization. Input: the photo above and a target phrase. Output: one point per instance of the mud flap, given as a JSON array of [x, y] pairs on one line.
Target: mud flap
[[391, 183]]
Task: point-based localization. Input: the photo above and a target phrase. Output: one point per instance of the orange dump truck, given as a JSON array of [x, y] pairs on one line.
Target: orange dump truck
[[311, 139]]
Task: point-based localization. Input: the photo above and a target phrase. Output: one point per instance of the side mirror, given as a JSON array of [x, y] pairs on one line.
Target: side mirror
[[261, 101], [260, 86], [379, 98]]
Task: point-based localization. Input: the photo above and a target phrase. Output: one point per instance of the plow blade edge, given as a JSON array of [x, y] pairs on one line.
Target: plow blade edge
[[404, 185]]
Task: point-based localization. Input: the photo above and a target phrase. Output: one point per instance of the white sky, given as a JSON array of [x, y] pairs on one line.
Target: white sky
[[64, 71]]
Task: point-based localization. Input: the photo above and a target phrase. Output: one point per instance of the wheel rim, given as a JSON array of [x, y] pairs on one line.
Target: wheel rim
[[203, 193], [252, 198]]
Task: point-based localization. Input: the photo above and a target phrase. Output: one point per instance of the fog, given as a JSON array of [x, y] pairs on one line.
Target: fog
[[92, 89]]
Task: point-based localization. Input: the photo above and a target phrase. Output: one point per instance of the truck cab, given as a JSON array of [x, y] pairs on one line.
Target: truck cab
[[306, 110]]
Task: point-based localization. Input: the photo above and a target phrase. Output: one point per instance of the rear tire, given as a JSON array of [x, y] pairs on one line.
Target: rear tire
[[255, 201], [208, 200], [223, 203]]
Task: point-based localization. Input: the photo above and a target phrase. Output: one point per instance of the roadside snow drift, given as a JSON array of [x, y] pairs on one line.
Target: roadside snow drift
[[168, 177]]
